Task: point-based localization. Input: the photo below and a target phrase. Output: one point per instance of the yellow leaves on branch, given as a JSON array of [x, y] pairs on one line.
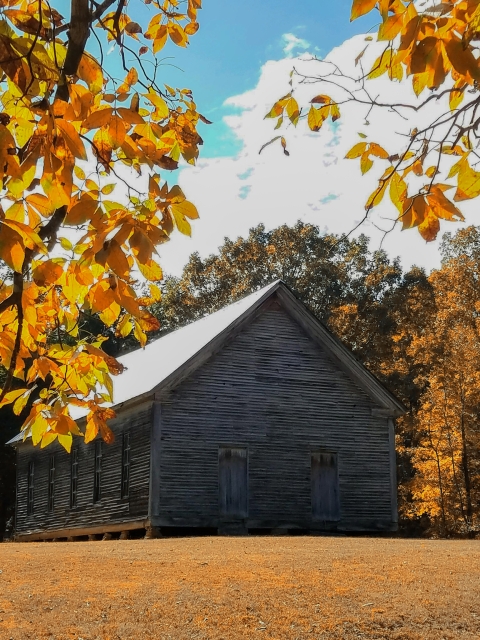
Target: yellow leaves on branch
[[58, 110], [435, 45]]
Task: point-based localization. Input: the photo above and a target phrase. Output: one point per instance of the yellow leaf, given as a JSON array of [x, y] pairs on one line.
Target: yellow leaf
[[468, 183], [381, 65], [38, 428], [66, 441], [391, 27], [140, 335], [47, 438], [182, 224], [160, 38], [91, 429], [81, 211], [185, 208], [21, 401], [73, 140], [107, 189], [177, 35], [441, 205], [429, 228], [398, 191], [365, 163], [116, 132], [292, 110], [316, 118], [11, 396], [377, 196], [361, 7], [155, 292], [132, 117], [377, 150], [98, 118], [90, 72], [356, 151], [124, 327], [334, 112], [132, 77], [12, 250], [66, 244], [79, 172], [456, 97], [150, 270], [41, 203]]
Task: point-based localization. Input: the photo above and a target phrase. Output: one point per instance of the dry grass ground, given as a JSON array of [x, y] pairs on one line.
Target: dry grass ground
[[229, 588]]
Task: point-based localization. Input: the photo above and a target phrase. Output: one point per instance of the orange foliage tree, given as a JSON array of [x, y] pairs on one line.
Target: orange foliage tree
[[446, 457], [70, 135], [435, 46]]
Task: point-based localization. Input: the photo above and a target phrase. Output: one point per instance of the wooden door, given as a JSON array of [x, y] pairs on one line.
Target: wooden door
[[325, 490], [233, 481]]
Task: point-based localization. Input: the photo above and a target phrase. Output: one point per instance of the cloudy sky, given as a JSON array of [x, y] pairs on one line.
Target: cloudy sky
[[238, 65]]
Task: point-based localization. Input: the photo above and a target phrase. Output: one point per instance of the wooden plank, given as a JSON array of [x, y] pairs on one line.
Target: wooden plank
[[393, 471], [337, 350], [155, 460], [128, 525]]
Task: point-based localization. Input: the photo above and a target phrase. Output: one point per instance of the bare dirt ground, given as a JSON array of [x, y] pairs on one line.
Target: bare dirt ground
[[228, 588]]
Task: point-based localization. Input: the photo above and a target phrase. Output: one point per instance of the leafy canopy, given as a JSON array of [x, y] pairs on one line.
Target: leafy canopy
[[71, 134], [435, 46]]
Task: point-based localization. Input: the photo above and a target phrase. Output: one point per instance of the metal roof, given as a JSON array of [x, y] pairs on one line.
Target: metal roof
[[147, 368]]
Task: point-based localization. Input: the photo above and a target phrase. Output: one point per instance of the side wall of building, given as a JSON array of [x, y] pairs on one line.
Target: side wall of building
[[111, 508], [272, 390]]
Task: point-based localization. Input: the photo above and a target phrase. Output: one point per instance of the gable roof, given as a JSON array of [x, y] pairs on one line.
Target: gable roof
[[172, 358]]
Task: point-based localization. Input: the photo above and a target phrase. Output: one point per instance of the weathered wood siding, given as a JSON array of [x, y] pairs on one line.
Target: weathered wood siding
[[111, 508], [275, 392]]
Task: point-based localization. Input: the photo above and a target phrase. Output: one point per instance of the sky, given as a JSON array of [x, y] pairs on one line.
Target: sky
[[237, 65]]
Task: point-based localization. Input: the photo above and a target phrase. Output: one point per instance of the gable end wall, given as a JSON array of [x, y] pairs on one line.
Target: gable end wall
[[274, 391]]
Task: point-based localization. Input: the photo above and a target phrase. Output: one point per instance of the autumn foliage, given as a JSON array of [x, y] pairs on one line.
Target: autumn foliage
[[72, 137], [435, 47]]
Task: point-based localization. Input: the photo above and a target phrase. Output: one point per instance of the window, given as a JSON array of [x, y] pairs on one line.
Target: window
[[325, 489], [97, 488], [125, 464], [74, 478], [51, 484], [30, 495]]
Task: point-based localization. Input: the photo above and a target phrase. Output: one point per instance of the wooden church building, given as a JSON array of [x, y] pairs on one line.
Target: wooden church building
[[255, 418]]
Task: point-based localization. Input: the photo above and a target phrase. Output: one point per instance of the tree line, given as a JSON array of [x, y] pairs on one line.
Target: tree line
[[418, 333]]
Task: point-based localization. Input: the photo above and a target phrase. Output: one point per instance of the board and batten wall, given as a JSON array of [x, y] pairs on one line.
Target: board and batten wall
[[88, 515], [274, 392]]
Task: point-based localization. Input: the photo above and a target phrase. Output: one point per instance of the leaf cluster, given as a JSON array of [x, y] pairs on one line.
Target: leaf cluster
[[71, 135]]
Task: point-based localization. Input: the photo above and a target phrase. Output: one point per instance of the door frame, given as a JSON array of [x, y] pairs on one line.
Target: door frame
[[231, 445]]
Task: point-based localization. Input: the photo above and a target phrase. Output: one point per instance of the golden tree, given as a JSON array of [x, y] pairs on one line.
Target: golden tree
[[447, 481], [70, 135], [433, 44]]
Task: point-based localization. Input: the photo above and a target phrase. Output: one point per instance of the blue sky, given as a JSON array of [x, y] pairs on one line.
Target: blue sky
[[237, 65], [235, 38]]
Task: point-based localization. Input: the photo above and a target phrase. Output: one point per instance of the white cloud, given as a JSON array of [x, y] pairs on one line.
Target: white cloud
[[291, 44], [315, 183]]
